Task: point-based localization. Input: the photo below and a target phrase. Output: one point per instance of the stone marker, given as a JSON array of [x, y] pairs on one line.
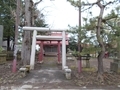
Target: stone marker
[[68, 73]]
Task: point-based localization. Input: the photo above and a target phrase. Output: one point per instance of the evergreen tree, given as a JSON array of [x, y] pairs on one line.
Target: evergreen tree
[[7, 20]]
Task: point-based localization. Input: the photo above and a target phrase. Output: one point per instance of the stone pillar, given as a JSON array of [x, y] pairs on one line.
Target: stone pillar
[[1, 35], [32, 58], [63, 50]]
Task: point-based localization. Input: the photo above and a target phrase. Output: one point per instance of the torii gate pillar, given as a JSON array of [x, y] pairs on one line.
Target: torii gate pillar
[[59, 59], [40, 56]]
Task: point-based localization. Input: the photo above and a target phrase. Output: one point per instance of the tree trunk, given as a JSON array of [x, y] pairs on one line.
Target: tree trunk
[[100, 41], [87, 64], [118, 49], [100, 62], [26, 46], [8, 43]]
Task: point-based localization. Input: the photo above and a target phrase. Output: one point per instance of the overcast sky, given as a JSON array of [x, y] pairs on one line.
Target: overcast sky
[[60, 13]]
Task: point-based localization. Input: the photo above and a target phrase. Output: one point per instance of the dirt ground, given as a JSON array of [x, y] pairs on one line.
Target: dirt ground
[[50, 75]]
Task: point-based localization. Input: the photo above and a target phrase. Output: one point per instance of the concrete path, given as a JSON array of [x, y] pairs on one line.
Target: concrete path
[[48, 75]]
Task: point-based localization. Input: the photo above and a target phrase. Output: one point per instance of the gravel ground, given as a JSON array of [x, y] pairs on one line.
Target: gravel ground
[[49, 75]]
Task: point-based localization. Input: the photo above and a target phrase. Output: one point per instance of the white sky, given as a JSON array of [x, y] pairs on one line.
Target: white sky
[[60, 13]]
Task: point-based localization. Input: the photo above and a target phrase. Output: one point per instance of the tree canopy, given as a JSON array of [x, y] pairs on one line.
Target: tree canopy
[[6, 18], [103, 27]]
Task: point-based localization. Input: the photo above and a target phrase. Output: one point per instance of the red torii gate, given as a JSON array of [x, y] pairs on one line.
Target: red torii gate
[[41, 43]]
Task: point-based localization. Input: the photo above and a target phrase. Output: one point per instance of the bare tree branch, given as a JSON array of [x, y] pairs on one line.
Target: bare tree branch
[[87, 8], [109, 3], [90, 4], [37, 2]]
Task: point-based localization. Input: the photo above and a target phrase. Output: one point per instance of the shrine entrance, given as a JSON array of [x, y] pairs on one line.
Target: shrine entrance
[[47, 49], [47, 38]]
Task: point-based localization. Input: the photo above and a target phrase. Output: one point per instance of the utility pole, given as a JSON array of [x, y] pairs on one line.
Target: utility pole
[[79, 40], [16, 36]]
